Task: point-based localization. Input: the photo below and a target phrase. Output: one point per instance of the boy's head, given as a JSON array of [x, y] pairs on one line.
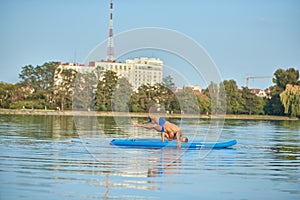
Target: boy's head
[[184, 139]]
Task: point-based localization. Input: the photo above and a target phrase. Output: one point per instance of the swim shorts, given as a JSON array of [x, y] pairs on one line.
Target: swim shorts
[[161, 122]]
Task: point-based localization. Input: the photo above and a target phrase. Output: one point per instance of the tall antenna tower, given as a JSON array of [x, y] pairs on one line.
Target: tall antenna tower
[[110, 43]]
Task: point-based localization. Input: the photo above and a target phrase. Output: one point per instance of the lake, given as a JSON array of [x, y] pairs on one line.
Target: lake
[[65, 157]]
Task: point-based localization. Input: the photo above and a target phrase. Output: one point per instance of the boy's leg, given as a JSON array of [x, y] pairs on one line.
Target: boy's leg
[[153, 118]]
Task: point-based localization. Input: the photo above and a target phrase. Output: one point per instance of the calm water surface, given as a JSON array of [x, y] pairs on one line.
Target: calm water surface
[[47, 157]]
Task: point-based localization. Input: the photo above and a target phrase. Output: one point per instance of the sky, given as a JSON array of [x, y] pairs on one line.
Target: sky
[[242, 37]]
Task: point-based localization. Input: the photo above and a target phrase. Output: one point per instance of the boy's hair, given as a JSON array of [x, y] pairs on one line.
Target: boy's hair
[[186, 139]]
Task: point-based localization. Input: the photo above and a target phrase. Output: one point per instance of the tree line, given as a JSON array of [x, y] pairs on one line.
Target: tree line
[[50, 87]]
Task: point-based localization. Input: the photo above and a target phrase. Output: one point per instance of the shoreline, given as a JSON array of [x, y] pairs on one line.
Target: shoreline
[[124, 114]]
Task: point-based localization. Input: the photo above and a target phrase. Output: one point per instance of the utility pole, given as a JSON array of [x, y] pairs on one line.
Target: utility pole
[[110, 43]]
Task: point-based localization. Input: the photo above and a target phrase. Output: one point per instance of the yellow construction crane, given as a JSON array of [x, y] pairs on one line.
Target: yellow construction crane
[[254, 77]]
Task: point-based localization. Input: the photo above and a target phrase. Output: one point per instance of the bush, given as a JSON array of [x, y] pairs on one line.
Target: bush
[[21, 104], [37, 104]]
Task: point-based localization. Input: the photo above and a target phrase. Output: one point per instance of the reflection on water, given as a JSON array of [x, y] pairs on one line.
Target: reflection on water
[[50, 157], [39, 127]]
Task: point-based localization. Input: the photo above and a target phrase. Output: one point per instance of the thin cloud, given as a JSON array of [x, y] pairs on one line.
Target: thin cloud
[[264, 20]]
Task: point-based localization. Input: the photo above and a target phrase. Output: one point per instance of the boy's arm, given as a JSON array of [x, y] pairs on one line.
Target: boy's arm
[[163, 134], [178, 137]]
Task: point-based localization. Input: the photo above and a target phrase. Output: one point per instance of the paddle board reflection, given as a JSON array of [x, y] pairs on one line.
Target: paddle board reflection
[[169, 163]]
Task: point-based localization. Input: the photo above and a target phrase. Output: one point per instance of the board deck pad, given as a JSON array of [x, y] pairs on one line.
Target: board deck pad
[[157, 143]]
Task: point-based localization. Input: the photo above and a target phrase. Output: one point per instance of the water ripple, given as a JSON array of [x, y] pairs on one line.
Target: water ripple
[[53, 162]]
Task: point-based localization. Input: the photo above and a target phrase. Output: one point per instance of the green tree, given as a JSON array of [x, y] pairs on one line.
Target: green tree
[[168, 82], [167, 96], [216, 96], [173, 104], [234, 100], [11, 93], [84, 91], [274, 105], [41, 80], [28, 76], [188, 101], [133, 103], [281, 79], [64, 87], [6, 94], [252, 103], [39, 76], [143, 98], [105, 89], [284, 77], [290, 99], [204, 104], [121, 96]]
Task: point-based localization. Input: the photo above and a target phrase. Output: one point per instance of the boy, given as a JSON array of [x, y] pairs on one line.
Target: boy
[[167, 129]]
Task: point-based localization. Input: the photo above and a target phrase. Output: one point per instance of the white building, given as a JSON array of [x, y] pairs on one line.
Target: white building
[[74, 66], [138, 71], [146, 71]]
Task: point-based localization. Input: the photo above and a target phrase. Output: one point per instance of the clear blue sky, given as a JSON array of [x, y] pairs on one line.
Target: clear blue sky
[[253, 37]]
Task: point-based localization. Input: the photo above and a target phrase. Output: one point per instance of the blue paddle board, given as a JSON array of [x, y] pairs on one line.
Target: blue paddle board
[[157, 143]]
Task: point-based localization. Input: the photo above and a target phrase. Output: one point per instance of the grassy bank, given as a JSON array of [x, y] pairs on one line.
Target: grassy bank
[[92, 113]]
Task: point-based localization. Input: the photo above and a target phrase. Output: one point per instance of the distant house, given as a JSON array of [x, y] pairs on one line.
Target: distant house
[[261, 93], [196, 88]]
